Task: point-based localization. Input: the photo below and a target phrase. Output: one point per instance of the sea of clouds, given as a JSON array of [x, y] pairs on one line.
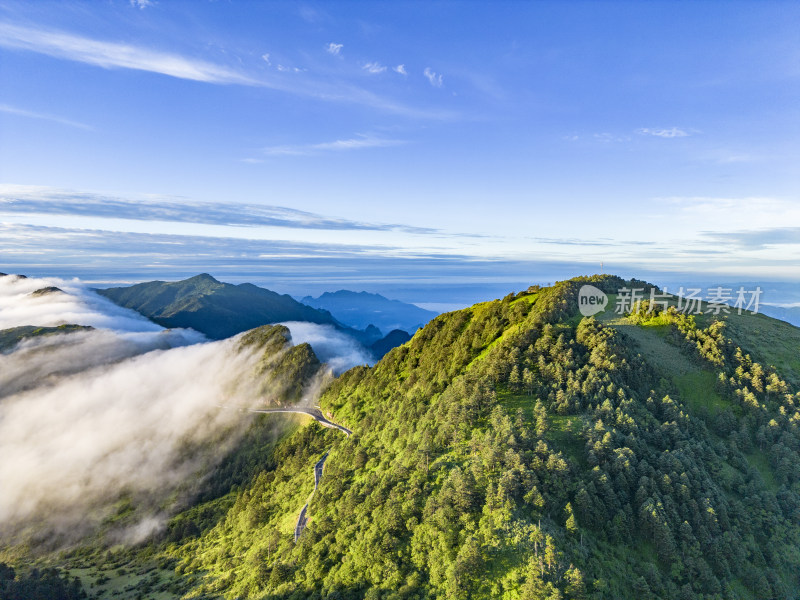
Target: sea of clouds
[[125, 410]]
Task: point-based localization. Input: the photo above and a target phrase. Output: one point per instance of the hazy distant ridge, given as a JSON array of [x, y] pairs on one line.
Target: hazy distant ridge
[[360, 309]]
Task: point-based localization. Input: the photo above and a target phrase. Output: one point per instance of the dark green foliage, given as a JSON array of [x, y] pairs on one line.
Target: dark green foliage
[[46, 584], [504, 449]]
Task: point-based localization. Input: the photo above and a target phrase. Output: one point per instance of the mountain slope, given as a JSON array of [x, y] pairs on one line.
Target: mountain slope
[[360, 309], [394, 338], [216, 309], [11, 337], [516, 450]]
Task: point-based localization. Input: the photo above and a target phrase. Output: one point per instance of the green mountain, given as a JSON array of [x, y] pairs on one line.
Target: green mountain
[[216, 309], [394, 338], [360, 309], [511, 450], [9, 338]]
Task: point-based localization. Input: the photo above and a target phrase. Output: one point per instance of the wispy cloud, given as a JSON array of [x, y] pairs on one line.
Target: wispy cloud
[[285, 69], [46, 117], [607, 137], [265, 57], [356, 143], [672, 132], [142, 4], [113, 55], [333, 48], [606, 242], [400, 69], [374, 68], [757, 239], [48, 201], [435, 79], [108, 256]]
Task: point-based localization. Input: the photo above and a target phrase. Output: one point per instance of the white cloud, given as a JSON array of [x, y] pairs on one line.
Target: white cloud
[[266, 58], [338, 350], [27, 201], [334, 48], [113, 55], [142, 4], [356, 143], [400, 69], [142, 404], [672, 132], [374, 68], [607, 137], [435, 79], [130, 425], [34, 115]]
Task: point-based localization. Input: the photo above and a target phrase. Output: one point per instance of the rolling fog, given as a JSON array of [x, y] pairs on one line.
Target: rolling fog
[[126, 410]]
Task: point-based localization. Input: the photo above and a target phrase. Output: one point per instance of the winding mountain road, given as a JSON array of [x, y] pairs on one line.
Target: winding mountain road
[[316, 413], [303, 519]]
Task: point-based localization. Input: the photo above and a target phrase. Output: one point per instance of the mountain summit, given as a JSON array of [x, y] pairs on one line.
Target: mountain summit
[[216, 309]]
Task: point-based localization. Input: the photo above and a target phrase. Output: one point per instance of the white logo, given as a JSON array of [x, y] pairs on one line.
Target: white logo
[[591, 300]]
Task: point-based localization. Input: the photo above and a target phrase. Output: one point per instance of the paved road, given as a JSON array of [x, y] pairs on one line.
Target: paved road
[[302, 520], [316, 413]]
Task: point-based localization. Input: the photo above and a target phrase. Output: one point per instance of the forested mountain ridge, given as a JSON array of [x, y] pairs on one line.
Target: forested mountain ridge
[[221, 310], [516, 450], [217, 309]]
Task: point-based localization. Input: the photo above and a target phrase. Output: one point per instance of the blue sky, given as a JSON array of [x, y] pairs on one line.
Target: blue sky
[[405, 147]]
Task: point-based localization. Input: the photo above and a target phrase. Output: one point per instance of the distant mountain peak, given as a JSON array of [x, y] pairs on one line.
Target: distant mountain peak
[[212, 307], [361, 309], [201, 277]]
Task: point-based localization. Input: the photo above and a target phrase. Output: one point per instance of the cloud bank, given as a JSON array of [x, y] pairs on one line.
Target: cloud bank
[[136, 430], [20, 304], [50, 201], [128, 414], [338, 350]]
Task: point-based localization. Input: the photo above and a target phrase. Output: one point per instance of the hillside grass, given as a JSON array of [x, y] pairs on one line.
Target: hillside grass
[[769, 341], [695, 383], [121, 583], [760, 462]]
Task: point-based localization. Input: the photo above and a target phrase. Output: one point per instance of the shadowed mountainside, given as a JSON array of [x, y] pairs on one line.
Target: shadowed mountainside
[[216, 309]]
